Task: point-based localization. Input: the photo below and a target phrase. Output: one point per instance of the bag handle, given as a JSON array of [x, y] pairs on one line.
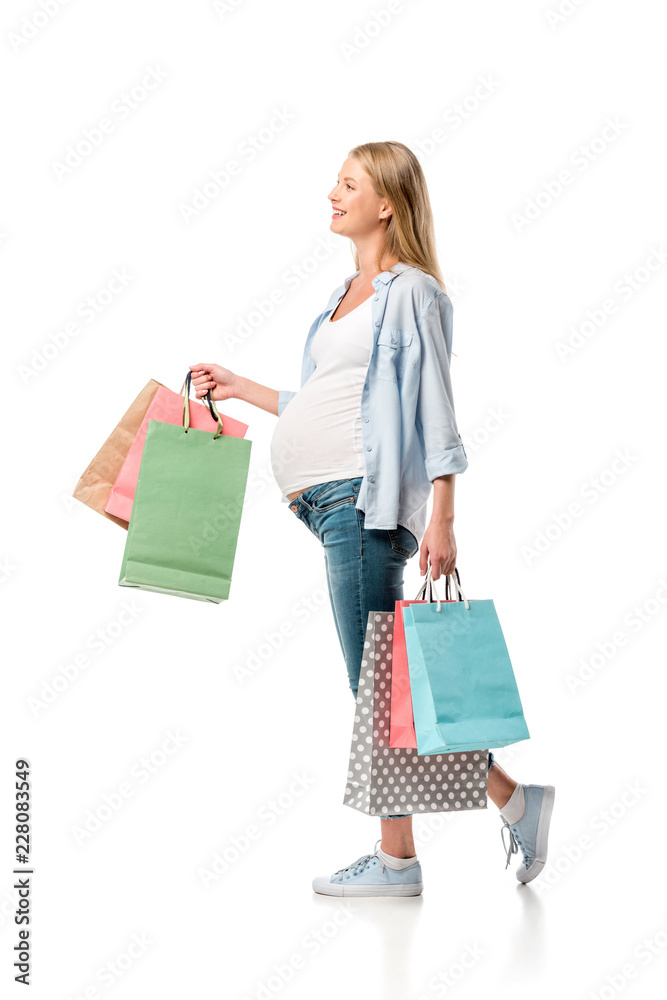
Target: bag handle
[[447, 593], [422, 590], [456, 584], [211, 405]]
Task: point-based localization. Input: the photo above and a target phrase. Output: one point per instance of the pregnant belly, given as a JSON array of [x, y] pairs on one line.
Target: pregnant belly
[[314, 440]]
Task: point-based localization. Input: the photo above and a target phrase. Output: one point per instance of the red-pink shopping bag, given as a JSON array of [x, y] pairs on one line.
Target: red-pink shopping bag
[[166, 407], [402, 733], [401, 723]]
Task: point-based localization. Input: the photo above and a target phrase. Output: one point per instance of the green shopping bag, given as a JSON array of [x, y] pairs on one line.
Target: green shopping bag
[[464, 693], [186, 514]]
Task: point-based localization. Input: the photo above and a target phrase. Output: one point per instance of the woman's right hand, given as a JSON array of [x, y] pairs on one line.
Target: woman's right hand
[[221, 382]]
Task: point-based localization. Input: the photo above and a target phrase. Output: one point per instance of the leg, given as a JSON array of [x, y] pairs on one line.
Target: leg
[[526, 815], [500, 785], [397, 837]]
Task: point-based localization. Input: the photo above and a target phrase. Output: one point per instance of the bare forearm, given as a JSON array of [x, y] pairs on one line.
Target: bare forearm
[[258, 395], [443, 499], [438, 544]]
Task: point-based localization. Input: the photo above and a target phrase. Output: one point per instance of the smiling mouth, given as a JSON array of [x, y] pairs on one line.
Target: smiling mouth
[[338, 214]]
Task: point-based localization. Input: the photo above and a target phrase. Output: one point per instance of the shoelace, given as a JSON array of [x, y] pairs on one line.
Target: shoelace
[[360, 863], [514, 844]]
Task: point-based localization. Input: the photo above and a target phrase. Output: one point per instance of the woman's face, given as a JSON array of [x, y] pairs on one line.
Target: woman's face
[[364, 212]]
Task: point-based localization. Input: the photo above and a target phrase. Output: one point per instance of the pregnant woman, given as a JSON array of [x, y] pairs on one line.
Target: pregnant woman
[[358, 448]]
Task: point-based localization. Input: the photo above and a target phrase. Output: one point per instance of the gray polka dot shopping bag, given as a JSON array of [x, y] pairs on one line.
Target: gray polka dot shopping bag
[[383, 781]]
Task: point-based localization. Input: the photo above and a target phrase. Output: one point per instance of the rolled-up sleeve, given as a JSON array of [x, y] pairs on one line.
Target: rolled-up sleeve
[[284, 396], [436, 421]]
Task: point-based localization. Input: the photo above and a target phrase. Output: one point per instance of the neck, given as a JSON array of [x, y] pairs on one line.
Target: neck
[[367, 251]]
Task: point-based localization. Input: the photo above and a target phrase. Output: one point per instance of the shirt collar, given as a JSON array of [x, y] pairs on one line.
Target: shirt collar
[[384, 276]]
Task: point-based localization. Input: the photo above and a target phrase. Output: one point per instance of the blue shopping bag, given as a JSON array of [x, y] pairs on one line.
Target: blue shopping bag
[[464, 693]]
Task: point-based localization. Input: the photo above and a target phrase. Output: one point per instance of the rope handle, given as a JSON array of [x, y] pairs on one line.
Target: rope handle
[[187, 384], [422, 591], [456, 587]]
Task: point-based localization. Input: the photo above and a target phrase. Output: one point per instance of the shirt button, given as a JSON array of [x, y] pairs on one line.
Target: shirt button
[[377, 322], [370, 479], [369, 448], [366, 386], [365, 420]]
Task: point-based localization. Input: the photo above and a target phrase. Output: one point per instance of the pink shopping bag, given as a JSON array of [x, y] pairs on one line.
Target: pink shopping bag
[[401, 720], [167, 407]]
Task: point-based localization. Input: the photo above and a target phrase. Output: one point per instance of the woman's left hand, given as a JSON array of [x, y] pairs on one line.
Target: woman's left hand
[[439, 547]]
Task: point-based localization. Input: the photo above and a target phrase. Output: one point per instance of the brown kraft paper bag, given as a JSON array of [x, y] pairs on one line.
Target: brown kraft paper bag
[[97, 481]]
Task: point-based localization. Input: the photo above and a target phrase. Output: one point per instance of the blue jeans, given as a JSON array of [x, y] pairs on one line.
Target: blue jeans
[[364, 566]]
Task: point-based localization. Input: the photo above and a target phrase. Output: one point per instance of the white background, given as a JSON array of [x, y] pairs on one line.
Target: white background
[[543, 432]]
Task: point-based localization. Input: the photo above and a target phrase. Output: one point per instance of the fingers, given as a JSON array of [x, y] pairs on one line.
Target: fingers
[[423, 559], [201, 379]]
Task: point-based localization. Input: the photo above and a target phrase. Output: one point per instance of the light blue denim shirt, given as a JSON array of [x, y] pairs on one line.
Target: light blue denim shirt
[[409, 431]]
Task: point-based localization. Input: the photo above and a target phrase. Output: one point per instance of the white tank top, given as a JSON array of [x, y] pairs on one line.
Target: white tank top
[[318, 435]]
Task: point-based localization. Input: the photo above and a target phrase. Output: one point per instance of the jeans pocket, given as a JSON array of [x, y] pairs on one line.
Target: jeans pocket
[[333, 495], [402, 541]]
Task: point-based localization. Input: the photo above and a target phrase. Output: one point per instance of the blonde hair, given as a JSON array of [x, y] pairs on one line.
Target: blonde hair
[[397, 175]]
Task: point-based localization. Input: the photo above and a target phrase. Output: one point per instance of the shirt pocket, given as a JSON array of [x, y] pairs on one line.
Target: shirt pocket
[[393, 347]]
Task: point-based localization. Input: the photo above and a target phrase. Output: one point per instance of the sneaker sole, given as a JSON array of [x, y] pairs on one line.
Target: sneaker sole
[[338, 889], [542, 837]]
